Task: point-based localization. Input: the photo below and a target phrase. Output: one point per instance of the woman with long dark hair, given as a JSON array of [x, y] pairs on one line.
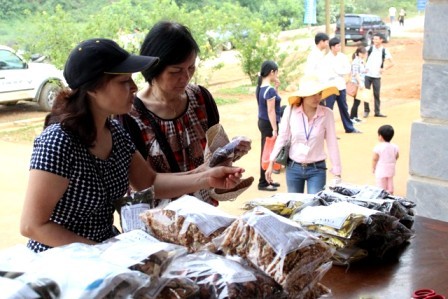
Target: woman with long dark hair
[[269, 112]]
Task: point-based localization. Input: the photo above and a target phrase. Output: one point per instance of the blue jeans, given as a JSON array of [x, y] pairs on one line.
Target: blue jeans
[[314, 174]]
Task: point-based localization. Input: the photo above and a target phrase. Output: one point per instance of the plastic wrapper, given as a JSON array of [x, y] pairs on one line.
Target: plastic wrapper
[[187, 221], [227, 154], [282, 203], [221, 277], [131, 206], [398, 207], [42, 288], [278, 246], [347, 226], [179, 288], [384, 233], [80, 272], [347, 255], [339, 219], [137, 250], [15, 260]]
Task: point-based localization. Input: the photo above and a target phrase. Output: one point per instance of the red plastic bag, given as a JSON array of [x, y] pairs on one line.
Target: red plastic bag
[[267, 149]]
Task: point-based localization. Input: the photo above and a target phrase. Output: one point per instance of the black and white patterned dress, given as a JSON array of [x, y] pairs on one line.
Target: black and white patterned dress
[[86, 206]]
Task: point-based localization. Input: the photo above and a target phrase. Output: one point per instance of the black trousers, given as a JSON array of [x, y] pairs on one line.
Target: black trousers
[[266, 131], [375, 83]]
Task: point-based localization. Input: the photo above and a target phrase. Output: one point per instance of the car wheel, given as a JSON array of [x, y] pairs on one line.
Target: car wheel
[[387, 37], [367, 41], [48, 95]]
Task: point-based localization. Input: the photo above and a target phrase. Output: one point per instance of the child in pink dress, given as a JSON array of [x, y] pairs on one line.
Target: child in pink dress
[[385, 155]]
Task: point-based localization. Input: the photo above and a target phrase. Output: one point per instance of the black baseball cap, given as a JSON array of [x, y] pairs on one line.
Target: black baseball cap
[[95, 57]]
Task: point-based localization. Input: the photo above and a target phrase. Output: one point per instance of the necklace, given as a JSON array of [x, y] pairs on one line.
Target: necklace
[[166, 104]]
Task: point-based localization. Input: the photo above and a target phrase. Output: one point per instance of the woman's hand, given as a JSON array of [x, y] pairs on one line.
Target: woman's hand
[[223, 177]]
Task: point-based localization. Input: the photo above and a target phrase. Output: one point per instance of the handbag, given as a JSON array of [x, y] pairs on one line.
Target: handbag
[[351, 89], [267, 150], [283, 156]]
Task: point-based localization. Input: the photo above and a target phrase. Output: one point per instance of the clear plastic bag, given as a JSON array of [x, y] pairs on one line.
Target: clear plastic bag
[[278, 246], [221, 277], [187, 221]]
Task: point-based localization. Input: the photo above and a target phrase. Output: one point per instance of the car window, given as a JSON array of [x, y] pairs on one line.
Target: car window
[[352, 21], [368, 21], [10, 61]]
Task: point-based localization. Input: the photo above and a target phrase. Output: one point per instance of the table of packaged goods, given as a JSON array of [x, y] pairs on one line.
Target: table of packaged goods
[[422, 264]]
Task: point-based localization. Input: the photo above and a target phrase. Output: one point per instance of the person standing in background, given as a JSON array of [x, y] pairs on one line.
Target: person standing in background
[[308, 126], [385, 155], [314, 62], [379, 59], [401, 16], [269, 112], [392, 14], [337, 67], [357, 75]]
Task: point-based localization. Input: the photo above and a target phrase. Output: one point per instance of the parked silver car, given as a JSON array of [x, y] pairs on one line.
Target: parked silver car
[[27, 81]]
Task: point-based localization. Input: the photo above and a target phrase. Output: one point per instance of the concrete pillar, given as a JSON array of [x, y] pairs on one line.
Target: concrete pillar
[[428, 163]]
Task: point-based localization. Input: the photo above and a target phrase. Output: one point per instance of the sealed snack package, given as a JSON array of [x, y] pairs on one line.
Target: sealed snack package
[[137, 250], [339, 219], [398, 207], [384, 233], [283, 204], [131, 206], [228, 153], [279, 247], [187, 221], [221, 277], [80, 272]]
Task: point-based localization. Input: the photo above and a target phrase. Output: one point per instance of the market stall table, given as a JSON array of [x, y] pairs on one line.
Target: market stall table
[[422, 264]]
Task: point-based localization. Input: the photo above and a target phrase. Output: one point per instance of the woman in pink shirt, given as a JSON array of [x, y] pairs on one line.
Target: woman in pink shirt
[[385, 155], [308, 125]]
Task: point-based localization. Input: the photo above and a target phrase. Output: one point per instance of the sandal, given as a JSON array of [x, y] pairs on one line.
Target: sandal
[[267, 188], [275, 184]]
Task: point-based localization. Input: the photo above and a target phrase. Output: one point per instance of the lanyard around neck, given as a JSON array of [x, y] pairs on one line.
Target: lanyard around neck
[[307, 135]]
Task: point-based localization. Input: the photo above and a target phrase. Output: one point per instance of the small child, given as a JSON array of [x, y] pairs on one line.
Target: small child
[[385, 155]]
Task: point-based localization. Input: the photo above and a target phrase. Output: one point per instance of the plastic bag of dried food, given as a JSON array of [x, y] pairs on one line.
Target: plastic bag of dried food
[[39, 289], [391, 205], [276, 245], [15, 260], [137, 250], [80, 272], [384, 232], [131, 206], [313, 289], [227, 154], [221, 277], [346, 189], [187, 221], [339, 219], [282, 203]]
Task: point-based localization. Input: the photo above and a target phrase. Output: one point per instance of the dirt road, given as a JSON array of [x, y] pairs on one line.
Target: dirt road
[[400, 101]]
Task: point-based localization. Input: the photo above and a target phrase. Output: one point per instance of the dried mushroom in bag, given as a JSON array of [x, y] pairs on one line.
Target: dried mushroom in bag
[[187, 221], [221, 277], [276, 245]]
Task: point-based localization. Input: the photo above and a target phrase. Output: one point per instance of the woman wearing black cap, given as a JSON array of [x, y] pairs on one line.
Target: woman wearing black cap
[[83, 160]]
